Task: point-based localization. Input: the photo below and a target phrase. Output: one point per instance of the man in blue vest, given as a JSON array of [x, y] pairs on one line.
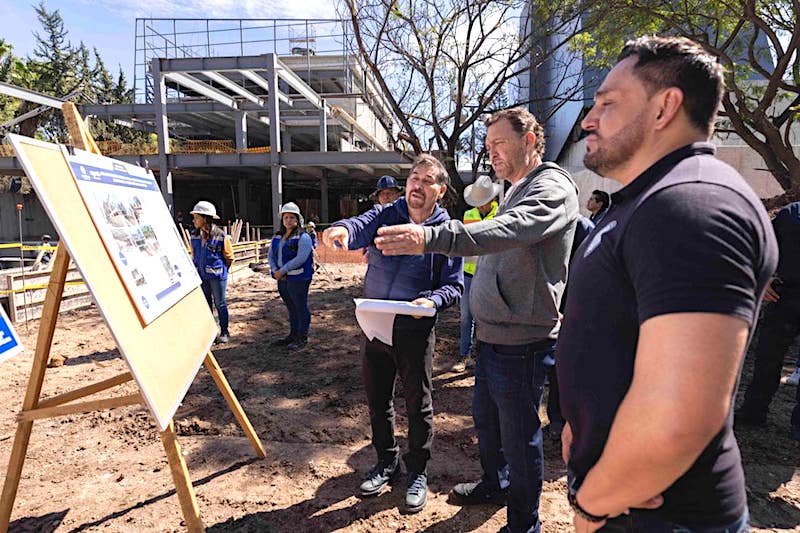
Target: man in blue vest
[[428, 280]]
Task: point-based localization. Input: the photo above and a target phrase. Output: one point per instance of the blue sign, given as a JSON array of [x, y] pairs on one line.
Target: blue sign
[[9, 341]]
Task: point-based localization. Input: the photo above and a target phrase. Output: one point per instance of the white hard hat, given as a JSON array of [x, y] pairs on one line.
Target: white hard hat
[[311, 223], [482, 191], [291, 207], [204, 208]]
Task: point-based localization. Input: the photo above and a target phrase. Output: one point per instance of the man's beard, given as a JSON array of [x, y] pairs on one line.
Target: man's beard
[[617, 149]]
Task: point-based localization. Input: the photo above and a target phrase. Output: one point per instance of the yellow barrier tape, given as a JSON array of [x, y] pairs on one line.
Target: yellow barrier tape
[[35, 287], [27, 247]]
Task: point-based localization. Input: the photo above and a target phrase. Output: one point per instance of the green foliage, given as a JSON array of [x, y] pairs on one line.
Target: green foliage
[[757, 41], [59, 68]]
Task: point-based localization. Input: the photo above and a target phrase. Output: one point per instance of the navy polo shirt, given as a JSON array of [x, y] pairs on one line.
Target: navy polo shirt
[[687, 235]]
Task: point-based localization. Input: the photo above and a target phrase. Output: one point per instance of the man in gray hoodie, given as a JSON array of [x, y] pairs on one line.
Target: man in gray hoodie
[[514, 299]]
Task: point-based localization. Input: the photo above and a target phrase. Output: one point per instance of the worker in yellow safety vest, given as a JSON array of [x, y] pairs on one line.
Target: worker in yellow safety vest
[[481, 196]]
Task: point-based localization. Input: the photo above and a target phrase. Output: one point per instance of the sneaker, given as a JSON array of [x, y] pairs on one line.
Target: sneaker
[[416, 492], [745, 417], [793, 378], [381, 475], [222, 339], [478, 493], [287, 340], [298, 343]]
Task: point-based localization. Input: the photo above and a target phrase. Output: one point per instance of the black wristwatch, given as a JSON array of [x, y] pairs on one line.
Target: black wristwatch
[[572, 497]]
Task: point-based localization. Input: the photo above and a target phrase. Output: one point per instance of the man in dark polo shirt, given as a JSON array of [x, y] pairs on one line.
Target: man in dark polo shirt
[[662, 300]]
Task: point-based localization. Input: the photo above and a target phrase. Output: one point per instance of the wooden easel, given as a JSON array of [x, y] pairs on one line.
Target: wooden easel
[[34, 408]]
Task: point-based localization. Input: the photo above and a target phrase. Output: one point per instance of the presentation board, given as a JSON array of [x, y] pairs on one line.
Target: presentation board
[[163, 355]]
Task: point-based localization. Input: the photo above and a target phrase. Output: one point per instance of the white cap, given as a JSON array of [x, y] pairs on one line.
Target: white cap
[[482, 191], [204, 208]]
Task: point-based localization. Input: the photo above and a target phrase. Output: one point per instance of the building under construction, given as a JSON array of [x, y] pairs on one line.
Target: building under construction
[[251, 113]]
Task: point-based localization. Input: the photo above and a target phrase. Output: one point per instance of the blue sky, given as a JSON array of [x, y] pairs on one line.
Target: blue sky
[[109, 25]]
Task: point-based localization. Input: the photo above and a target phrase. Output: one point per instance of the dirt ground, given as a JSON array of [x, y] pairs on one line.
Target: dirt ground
[[107, 471]]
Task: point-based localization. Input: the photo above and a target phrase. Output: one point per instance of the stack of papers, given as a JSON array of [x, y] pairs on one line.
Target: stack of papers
[[376, 317]]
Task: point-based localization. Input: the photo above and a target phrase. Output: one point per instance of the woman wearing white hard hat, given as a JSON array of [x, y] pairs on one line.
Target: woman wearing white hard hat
[[291, 262], [212, 253]]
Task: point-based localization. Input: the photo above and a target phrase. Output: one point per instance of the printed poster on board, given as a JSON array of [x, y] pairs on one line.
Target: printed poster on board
[[129, 212]]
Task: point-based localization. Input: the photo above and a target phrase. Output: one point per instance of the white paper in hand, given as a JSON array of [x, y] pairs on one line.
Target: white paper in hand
[[376, 317]]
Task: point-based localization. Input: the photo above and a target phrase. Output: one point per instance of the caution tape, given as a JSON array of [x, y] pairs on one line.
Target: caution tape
[[26, 247], [36, 287]]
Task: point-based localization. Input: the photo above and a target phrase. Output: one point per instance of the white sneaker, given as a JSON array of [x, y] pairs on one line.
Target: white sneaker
[[793, 378]]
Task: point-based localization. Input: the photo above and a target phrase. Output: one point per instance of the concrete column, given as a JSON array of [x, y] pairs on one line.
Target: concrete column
[[242, 183], [162, 129], [276, 172], [323, 128], [240, 123], [287, 140], [323, 199]]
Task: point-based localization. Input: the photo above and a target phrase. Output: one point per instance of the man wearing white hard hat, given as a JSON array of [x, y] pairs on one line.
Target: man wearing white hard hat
[[212, 253], [481, 196]]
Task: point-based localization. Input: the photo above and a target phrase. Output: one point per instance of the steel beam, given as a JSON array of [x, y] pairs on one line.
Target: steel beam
[[30, 96], [228, 84], [190, 82]]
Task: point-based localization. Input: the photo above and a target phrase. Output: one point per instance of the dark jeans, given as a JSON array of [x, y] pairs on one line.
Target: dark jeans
[[650, 522], [505, 407], [214, 289], [294, 293], [412, 358], [779, 326], [553, 401]]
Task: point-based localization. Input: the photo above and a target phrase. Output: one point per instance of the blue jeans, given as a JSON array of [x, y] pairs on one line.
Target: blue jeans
[[214, 289], [505, 407], [294, 293], [466, 319]]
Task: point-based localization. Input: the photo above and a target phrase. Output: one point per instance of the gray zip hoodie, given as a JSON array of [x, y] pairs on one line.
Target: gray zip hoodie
[[524, 251]]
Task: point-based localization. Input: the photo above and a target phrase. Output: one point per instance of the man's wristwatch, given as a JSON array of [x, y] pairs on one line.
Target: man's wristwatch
[[572, 497]]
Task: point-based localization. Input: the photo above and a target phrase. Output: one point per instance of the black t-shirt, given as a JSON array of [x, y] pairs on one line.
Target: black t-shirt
[[687, 235]]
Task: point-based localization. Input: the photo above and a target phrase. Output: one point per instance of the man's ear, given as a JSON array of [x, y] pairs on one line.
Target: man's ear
[[668, 105], [530, 138], [442, 192]]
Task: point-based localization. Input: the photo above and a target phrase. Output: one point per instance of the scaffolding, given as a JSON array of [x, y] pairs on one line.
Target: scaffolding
[[177, 38]]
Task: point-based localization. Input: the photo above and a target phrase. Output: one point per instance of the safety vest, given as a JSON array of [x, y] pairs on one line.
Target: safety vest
[[208, 258], [473, 215], [285, 251]]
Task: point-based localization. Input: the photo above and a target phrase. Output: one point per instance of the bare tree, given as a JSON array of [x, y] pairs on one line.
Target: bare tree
[[444, 63]]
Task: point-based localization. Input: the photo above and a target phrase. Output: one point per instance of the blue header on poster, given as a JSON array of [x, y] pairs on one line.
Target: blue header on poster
[[117, 176]]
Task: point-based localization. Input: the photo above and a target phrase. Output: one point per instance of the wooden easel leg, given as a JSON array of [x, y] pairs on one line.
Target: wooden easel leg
[[180, 476], [224, 387], [47, 326]]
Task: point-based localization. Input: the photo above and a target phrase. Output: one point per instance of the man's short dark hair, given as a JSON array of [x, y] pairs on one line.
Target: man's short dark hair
[[442, 177], [679, 62], [603, 197], [523, 122]]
